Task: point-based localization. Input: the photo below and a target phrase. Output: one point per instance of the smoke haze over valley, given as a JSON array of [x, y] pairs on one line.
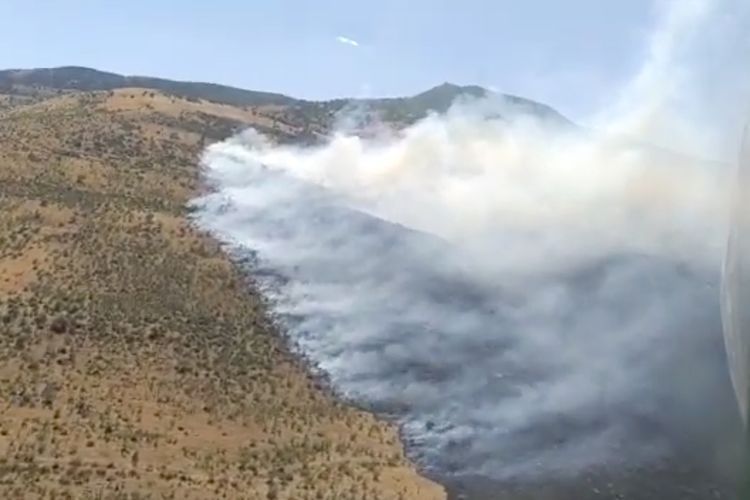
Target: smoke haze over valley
[[528, 299]]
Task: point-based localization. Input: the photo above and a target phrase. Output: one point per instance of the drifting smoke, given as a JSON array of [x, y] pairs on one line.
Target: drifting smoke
[[525, 297]]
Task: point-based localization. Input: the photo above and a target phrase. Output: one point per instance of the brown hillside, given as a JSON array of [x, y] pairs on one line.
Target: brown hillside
[[134, 361]]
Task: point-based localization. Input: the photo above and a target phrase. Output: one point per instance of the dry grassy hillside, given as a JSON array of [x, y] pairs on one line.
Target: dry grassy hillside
[[134, 361]]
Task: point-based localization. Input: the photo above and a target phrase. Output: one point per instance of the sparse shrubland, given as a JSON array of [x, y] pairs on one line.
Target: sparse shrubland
[[135, 362]]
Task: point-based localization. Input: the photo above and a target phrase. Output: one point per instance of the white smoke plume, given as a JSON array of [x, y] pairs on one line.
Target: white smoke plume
[[527, 299]]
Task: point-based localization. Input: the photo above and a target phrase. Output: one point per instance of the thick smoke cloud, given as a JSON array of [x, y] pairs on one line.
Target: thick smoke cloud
[[527, 299]]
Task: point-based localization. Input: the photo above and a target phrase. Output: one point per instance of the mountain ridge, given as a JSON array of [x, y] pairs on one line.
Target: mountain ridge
[[408, 108]]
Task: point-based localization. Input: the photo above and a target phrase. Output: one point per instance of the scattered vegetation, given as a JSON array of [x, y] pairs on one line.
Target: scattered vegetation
[[135, 362]]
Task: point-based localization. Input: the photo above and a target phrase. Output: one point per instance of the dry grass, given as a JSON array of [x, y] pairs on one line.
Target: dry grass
[[134, 361]]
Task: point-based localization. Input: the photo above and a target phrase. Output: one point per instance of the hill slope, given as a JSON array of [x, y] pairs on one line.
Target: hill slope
[[134, 361]]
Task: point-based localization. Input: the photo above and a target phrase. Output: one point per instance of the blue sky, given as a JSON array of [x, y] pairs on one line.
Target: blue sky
[[570, 54]]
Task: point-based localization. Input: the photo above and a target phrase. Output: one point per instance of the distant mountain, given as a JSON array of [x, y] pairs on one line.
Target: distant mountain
[[87, 79], [439, 99], [398, 109]]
